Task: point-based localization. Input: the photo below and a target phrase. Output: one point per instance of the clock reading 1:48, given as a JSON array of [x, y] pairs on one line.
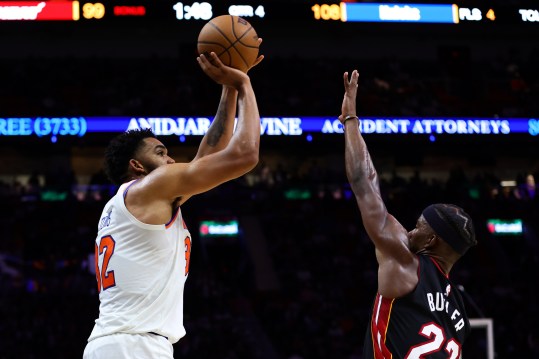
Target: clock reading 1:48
[[196, 11]]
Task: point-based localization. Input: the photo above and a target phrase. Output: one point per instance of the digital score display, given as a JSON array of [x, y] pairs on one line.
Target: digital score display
[[39, 10], [423, 13], [101, 10], [189, 11], [378, 12]]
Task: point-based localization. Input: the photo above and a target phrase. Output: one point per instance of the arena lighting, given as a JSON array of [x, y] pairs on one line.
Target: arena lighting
[[55, 127], [297, 194], [508, 183]]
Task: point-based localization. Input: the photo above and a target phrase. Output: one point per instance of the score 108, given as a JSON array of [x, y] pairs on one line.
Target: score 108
[[329, 12]]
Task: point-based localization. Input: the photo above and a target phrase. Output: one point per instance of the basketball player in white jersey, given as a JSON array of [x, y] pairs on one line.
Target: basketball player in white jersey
[[143, 247]]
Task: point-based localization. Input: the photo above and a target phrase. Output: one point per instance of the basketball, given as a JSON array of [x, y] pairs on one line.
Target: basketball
[[232, 38]]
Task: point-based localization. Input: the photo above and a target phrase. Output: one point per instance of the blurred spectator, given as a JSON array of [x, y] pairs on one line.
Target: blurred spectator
[[527, 190]]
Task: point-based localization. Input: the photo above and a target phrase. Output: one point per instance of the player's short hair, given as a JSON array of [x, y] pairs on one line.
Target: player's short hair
[[452, 224], [121, 150]]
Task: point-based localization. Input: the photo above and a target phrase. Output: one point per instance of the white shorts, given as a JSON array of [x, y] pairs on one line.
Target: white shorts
[[129, 346]]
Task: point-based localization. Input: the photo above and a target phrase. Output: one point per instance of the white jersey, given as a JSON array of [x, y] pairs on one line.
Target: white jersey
[[141, 271]]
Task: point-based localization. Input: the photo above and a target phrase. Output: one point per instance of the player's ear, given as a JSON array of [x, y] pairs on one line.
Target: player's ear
[[136, 167], [432, 240]]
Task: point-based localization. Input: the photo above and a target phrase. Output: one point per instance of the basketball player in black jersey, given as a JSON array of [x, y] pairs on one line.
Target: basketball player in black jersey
[[417, 312]]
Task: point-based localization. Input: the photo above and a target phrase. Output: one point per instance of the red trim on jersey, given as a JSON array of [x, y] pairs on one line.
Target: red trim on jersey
[[173, 218], [184, 225], [439, 268], [379, 324]]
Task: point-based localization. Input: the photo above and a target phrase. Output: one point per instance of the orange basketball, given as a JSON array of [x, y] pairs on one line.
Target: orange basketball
[[232, 38]]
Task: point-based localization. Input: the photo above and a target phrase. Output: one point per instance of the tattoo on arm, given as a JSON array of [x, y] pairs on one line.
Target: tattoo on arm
[[363, 172], [217, 128], [370, 171]]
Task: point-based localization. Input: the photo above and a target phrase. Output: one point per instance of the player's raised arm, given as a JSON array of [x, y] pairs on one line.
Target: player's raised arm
[[220, 132], [222, 127], [238, 157], [397, 262], [218, 135]]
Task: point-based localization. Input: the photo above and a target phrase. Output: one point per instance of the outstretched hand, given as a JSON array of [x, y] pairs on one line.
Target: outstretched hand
[[220, 73], [350, 94]]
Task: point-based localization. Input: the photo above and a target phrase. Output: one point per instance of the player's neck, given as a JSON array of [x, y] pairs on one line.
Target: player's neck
[[444, 265]]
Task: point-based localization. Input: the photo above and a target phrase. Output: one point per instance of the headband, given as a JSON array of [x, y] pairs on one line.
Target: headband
[[443, 229]]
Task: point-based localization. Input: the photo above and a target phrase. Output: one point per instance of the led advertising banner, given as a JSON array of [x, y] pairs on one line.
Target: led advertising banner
[[218, 228], [505, 227], [55, 127]]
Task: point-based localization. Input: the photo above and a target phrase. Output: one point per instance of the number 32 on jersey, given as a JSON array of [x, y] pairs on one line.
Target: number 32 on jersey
[[105, 278]]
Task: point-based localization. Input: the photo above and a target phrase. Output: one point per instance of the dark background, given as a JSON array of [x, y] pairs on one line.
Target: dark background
[[299, 280]]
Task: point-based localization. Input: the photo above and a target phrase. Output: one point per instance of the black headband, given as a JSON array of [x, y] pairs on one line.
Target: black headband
[[443, 229]]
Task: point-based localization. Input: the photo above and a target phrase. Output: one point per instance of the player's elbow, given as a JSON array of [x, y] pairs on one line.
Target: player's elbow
[[246, 156], [250, 159]]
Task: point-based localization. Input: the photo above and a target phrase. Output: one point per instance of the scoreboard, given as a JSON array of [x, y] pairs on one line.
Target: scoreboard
[[266, 10]]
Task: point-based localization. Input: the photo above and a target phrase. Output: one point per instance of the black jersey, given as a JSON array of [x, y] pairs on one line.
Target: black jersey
[[430, 322]]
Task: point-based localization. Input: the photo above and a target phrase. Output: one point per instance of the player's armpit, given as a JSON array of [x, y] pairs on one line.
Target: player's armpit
[[390, 239], [387, 234], [187, 179], [395, 279], [397, 272]]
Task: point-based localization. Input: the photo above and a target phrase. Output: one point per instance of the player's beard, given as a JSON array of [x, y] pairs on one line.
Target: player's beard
[[149, 167]]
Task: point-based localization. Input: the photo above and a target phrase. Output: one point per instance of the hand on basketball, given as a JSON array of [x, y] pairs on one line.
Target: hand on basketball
[[350, 93], [220, 73], [259, 58]]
